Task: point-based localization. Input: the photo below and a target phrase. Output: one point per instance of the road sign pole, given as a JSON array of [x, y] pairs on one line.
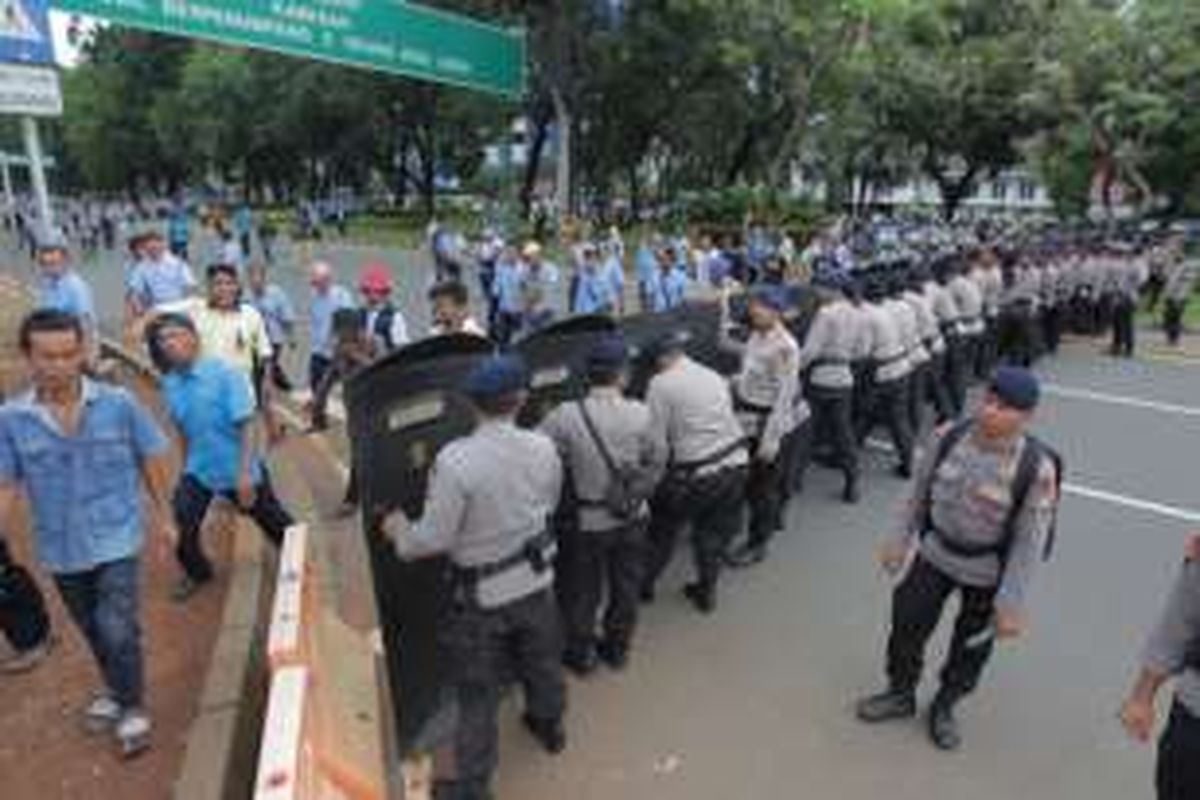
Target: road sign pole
[[37, 171]]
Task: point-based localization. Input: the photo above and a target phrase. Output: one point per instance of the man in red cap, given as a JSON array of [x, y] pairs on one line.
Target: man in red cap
[[384, 322]]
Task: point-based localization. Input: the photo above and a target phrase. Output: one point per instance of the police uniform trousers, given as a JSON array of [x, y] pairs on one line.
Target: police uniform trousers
[[953, 375], [916, 609], [918, 396], [1177, 774], [863, 401], [1173, 319], [1052, 327], [796, 452], [602, 567], [890, 408], [713, 504], [832, 415], [1016, 334], [989, 346], [1122, 312], [485, 649]]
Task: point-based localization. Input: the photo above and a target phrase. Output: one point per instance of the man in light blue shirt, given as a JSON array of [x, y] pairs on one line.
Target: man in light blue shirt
[[179, 231], [212, 405], [670, 283], [158, 278], [59, 286], [82, 451], [614, 270], [279, 316], [327, 298], [506, 291], [593, 287], [645, 266]]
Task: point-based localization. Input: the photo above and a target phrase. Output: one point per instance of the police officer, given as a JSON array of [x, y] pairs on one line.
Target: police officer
[[1130, 272], [1173, 651], [890, 369], [826, 361], [489, 500], [1049, 305], [946, 312], [692, 411], [928, 386], [985, 272], [766, 396], [1017, 308], [969, 300], [1180, 278], [971, 535], [605, 439]]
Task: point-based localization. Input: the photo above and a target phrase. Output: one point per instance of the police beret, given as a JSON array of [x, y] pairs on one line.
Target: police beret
[[496, 376], [608, 353], [773, 297], [1016, 387]]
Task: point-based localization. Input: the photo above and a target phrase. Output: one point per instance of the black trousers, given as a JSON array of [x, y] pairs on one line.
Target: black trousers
[[318, 365], [916, 610], [191, 501], [796, 452], [890, 408], [954, 376], [1173, 319], [986, 353], [23, 618], [484, 650], [1016, 335], [1177, 775], [602, 568], [765, 495], [713, 505], [832, 416], [1123, 310], [1052, 327]]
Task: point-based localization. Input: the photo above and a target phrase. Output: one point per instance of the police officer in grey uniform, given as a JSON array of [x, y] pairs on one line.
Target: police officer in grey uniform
[[691, 409], [766, 397], [1130, 272], [826, 362], [1180, 280], [946, 310], [890, 369], [968, 539], [969, 300], [1173, 651], [985, 271], [488, 506], [1018, 306], [601, 432], [928, 386]]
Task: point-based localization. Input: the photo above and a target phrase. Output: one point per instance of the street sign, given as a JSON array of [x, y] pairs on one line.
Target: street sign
[[25, 32], [386, 35], [30, 91]]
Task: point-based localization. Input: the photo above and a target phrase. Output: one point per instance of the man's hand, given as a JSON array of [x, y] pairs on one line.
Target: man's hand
[[1137, 716], [1010, 624], [892, 556], [245, 492], [1192, 548], [766, 453]]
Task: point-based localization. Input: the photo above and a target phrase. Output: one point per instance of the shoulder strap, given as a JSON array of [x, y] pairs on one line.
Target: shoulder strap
[[595, 434], [1027, 472]]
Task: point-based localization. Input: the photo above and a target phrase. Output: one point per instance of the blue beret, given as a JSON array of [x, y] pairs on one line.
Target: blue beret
[[1016, 387], [773, 297], [608, 353], [496, 376]]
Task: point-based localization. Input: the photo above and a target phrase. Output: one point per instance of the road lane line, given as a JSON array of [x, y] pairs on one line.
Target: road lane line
[[1119, 400]]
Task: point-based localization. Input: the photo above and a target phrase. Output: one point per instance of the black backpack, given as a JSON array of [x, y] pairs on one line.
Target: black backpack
[[1027, 470]]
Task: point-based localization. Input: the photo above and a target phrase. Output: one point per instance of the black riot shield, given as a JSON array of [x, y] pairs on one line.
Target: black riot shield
[[555, 358], [641, 331], [402, 410]]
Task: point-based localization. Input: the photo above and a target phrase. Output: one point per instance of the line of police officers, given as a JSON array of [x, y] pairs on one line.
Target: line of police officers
[[882, 348]]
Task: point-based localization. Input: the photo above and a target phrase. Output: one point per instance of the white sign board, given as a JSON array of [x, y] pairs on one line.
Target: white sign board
[[30, 91]]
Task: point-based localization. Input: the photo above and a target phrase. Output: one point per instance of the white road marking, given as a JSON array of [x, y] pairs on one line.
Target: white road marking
[[1101, 495], [1119, 400]]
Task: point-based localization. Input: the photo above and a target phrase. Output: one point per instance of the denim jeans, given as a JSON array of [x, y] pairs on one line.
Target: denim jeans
[[103, 601]]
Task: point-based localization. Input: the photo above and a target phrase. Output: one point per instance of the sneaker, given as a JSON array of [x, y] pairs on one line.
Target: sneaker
[[101, 714], [943, 727], [886, 706], [184, 588], [26, 660], [548, 732], [133, 732]]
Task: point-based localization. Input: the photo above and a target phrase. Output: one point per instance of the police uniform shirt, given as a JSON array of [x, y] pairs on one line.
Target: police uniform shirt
[[886, 345], [927, 324], [969, 302], [1176, 635], [944, 307], [626, 429], [770, 379], [1181, 276], [910, 332], [991, 284], [489, 493], [692, 411], [1133, 273], [970, 496], [1048, 284], [831, 345]]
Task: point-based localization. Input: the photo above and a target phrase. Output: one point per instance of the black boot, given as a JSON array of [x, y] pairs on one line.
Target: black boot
[[885, 706], [548, 732], [850, 492], [702, 597], [579, 660], [614, 654], [943, 727]]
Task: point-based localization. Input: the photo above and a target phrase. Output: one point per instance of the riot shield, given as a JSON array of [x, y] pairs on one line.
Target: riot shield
[[402, 409], [640, 331], [555, 357]]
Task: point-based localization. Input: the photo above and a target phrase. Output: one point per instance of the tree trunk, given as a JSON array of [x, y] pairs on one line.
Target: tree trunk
[[533, 161], [565, 125]]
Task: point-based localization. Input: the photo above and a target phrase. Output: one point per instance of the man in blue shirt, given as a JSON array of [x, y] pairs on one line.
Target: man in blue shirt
[[80, 449], [59, 286], [506, 292], [275, 308], [593, 287], [158, 278], [327, 298], [179, 231], [645, 265], [670, 283], [212, 405]]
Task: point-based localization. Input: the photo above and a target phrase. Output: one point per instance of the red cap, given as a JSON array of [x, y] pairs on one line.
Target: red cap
[[375, 277]]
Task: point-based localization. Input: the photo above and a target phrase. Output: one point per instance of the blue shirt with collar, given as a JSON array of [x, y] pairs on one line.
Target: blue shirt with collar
[[67, 292], [594, 293], [321, 312], [506, 286], [615, 273], [166, 280], [84, 489], [646, 265], [277, 313], [210, 402], [667, 291]]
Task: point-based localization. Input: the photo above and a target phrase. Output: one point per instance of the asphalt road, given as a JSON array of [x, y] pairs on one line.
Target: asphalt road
[[755, 701]]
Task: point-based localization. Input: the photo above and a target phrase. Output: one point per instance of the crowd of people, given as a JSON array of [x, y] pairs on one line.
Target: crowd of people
[[894, 339]]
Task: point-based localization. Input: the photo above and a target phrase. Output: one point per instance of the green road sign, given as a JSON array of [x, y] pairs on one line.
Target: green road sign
[[386, 35]]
